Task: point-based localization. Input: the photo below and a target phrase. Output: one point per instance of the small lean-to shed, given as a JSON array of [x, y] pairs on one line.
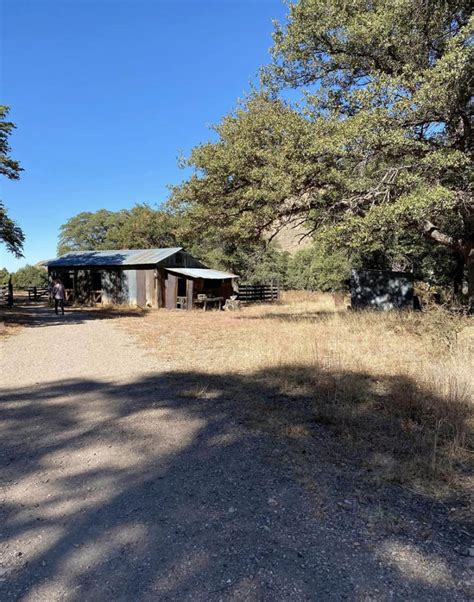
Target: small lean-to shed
[[381, 289], [136, 277], [186, 285]]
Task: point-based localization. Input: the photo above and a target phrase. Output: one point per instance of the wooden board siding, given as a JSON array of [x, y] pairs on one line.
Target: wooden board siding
[[131, 279], [150, 287], [141, 292], [160, 287], [189, 294], [171, 289]]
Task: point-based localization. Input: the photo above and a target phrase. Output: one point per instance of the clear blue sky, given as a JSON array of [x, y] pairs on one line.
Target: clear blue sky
[[106, 94]]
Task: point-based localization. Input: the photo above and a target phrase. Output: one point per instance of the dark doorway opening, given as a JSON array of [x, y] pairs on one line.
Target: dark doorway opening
[[181, 287]]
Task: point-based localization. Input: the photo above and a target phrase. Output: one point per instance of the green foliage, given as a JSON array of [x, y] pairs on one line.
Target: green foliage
[[141, 227], [88, 231], [268, 265], [243, 182], [8, 166], [30, 275], [10, 233], [318, 269], [392, 114], [4, 276]]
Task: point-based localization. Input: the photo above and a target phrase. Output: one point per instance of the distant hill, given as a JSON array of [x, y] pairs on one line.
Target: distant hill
[[290, 238]]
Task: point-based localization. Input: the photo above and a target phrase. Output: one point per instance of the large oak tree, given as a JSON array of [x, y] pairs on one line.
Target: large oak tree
[[381, 147]]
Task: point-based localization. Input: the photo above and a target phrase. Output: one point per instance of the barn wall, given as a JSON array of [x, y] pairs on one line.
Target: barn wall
[[151, 293], [181, 260], [114, 286], [131, 280], [171, 287], [141, 291], [160, 287]]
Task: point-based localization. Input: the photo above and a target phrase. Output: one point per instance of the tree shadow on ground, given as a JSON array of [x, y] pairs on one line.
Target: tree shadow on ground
[[306, 316], [40, 314], [191, 486]]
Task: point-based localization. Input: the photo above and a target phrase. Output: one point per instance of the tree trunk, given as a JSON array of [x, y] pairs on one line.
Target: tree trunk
[[458, 279], [470, 279], [464, 246]]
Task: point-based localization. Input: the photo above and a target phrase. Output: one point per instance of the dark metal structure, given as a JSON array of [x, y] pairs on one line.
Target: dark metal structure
[[168, 277], [380, 289]]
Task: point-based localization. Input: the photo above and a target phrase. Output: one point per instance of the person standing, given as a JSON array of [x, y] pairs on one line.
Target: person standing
[[58, 296]]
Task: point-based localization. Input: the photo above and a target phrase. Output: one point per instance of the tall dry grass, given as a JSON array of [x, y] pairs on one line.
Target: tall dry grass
[[395, 388]]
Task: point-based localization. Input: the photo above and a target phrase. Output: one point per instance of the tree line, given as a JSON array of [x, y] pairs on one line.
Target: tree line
[[373, 162], [29, 275]]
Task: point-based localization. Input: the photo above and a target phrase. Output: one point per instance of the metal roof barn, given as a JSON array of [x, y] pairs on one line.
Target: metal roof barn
[[168, 277], [113, 258]]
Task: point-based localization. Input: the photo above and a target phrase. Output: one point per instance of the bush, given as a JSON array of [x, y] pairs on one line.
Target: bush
[[318, 269]]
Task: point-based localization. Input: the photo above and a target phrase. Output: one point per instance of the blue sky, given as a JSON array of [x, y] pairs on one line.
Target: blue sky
[[106, 94]]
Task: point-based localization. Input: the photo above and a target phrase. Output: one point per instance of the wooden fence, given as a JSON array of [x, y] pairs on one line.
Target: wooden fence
[[38, 292], [258, 292]]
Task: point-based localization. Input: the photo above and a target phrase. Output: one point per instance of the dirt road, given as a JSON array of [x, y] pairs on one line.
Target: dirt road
[[120, 482]]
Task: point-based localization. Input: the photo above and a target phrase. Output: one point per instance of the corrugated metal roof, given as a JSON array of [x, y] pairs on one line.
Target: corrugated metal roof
[[108, 258], [202, 273]]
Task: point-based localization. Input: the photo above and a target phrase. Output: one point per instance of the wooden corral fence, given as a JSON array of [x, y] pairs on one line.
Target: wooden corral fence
[[6, 294], [38, 292], [94, 297], [259, 292]]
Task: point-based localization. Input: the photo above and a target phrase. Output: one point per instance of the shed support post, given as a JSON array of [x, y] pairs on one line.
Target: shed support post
[[189, 294]]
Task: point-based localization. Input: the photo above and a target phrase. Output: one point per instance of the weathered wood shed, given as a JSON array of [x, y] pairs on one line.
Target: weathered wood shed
[[168, 277]]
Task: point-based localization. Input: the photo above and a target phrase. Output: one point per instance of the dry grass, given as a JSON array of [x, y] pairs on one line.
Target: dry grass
[[396, 388]]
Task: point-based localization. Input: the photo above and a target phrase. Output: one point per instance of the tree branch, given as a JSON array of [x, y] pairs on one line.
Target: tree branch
[[433, 232]]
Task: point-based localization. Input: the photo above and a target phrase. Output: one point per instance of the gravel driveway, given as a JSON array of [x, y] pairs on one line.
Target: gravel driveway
[[118, 484]]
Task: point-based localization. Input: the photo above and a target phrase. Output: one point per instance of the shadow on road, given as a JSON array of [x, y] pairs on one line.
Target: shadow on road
[[190, 486], [40, 314]]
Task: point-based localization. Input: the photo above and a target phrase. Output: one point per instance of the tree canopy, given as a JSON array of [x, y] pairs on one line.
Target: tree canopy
[[10, 233], [30, 275], [378, 155], [139, 227]]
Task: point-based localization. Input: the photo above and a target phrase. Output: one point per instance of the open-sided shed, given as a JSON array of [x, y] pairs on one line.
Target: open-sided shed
[[168, 277]]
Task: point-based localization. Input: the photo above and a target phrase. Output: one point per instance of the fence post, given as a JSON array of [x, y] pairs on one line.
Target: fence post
[[10, 292]]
